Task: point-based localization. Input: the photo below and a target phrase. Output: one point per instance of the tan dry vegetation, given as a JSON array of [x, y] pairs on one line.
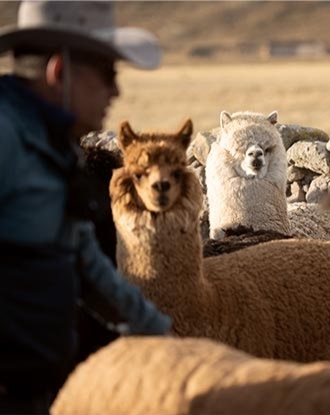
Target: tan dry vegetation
[[161, 99]]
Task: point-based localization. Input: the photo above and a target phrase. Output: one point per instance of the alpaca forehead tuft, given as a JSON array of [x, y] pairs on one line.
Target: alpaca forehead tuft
[[145, 154], [251, 121], [245, 133], [248, 116]]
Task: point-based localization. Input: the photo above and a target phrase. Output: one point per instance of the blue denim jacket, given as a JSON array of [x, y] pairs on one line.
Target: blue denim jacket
[[36, 159]]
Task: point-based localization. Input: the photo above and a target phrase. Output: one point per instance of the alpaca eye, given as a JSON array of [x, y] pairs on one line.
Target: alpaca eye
[[138, 176], [177, 174], [268, 150]]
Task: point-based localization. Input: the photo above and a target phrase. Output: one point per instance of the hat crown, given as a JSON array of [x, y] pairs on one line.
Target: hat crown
[[73, 15]]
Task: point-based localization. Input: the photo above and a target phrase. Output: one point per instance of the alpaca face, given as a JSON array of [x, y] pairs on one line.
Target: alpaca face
[[158, 185], [251, 144], [155, 164], [256, 161]]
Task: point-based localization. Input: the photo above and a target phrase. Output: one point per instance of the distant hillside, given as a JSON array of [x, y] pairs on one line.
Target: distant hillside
[[218, 30], [228, 29]]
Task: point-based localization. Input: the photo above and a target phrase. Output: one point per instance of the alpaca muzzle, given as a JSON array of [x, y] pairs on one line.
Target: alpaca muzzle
[[161, 186], [255, 157], [257, 163]]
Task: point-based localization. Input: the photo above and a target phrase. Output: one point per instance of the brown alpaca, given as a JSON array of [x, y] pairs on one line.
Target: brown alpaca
[[271, 300]]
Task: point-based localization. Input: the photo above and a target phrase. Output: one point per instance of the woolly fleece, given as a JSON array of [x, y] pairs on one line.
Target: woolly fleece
[[167, 376]]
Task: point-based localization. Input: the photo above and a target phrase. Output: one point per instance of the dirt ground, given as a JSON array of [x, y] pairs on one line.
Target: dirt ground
[[162, 99]]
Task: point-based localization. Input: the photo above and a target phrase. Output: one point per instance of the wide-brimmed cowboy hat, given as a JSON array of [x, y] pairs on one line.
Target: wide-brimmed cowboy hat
[[86, 26]]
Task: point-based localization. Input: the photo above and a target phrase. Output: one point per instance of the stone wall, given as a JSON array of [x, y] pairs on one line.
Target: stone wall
[[308, 155]]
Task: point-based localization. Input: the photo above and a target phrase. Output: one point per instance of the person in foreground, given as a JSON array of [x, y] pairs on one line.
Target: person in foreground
[[64, 78]]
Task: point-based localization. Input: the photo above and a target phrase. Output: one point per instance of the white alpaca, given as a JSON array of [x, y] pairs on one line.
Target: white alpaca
[[246, 174], [270, 300]]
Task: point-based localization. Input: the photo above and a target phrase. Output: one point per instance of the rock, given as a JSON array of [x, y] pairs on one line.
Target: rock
[[106, 141], [190, 155], [297, 193], [199, 170], [318, 188], [200, 173], [296, 173], [201, 145], [98, 139], [195, 164], [309, 155], [308, 178], [305, 189], [291, 133], [204, 219]]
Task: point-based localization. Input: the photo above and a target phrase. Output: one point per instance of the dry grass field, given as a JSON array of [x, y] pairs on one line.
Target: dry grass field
[[300, 91], [202, 87]]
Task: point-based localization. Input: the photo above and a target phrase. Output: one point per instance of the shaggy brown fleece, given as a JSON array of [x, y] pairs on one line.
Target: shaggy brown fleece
[[167, 376]]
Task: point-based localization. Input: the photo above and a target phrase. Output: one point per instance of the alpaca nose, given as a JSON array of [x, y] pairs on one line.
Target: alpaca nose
[[161, 186], [257, 163]]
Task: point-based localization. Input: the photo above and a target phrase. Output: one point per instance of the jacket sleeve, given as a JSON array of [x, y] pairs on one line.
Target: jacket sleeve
[[141, 315]]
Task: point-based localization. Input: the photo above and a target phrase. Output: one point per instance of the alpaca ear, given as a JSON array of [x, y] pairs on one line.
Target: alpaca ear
[[225, 118], [185, 133], [272, 117], [126, 134]]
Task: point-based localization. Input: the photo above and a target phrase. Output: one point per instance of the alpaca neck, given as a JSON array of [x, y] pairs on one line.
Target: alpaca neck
[[161, 254]]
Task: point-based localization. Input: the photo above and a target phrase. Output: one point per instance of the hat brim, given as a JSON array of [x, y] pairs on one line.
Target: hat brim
[[132, 44]]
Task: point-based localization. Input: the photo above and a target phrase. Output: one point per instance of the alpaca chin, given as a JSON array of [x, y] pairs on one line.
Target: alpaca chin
[[253, 172], [253, 168], [160, 204]]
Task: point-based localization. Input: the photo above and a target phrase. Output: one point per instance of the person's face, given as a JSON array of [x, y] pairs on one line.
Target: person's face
[[93, 86]]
